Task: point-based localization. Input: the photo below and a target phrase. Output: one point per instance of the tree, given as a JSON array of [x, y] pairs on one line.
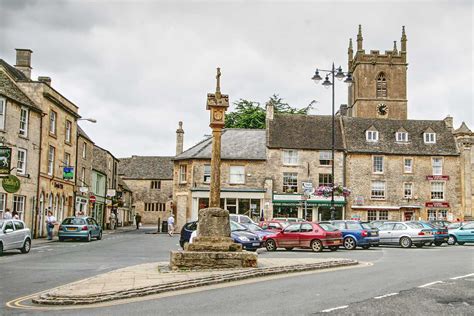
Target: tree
[[250, 114]]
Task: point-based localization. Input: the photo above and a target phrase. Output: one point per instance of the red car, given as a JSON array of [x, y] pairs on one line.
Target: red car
[[305, 235], [272, 225]]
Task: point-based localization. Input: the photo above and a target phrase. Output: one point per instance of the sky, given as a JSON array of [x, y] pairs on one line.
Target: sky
[[140, 67]]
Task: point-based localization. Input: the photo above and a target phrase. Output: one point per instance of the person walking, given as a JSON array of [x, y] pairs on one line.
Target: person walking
[[170, 225], [113, 219], [50, 221], [7, 214], [138, 220], [15, 215]]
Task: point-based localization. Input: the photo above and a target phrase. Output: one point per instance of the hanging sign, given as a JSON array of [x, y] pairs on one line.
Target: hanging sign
[[11, 184], [68, 173], [5, 160]]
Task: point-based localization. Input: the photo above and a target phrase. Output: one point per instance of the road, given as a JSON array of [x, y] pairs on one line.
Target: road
[[432, 280]]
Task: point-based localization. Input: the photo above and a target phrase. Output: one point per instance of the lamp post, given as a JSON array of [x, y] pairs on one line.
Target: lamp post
[[339, 74], [88, 119]]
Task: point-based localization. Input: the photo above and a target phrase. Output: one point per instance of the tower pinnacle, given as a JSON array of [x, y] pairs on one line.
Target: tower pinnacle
[[395, 50], [359, 39], [403, 40]]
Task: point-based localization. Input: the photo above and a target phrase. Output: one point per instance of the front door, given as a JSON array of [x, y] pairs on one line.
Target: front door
[[408, 216], [290, 236]]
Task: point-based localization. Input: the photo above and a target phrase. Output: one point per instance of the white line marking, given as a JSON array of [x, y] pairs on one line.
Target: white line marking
[[40, 247], [386, 295], [432, 283], [462, 276], [333, 309]]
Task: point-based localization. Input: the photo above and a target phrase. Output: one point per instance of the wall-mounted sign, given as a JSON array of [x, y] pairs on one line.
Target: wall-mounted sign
[[83, 189], [5, 160], [11, 184], [437, 204], [68, 173], [359, 200], [437, 177], [111, 192], [92, 199]]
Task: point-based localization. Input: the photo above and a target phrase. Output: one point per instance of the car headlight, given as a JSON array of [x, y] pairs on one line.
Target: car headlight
[[243, 238]]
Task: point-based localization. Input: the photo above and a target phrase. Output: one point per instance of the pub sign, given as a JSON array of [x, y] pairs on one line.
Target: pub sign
[[5, 160]]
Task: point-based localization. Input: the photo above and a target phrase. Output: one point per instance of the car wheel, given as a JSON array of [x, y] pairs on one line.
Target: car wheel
[[438, 243], [89, 237], [99, 237], [333, 248], [289, 248], [405, 242], [365, 247], [419, 245], [461, 243], [451, 240], [26, 246], [350, 243], [270, 245], [316, 245]]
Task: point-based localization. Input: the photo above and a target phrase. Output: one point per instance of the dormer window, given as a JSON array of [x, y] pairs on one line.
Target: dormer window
[[401, 137], [372, 136], [430, 138]]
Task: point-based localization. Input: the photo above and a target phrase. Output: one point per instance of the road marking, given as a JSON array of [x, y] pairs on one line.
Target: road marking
[[431, 283], [386, 295], [40, 247], [462, 276], [334, 308]]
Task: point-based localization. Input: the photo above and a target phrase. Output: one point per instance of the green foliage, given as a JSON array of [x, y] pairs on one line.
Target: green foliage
[[250, 114]]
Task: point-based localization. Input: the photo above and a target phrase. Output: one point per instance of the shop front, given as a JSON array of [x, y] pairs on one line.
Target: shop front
[[439, 211], [315, 208]]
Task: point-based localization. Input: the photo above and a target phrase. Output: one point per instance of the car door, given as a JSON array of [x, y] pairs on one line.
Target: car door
[[399, 230], [18, 234], [466, 233], [290, 236], [385, 233], [9, 238], [306, 235], [96, 227]]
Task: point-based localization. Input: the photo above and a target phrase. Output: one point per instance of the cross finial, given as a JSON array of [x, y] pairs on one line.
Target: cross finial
[[218, 83]]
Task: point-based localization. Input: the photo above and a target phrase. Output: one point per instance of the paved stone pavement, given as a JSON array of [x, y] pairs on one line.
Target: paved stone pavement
[[153, 278]]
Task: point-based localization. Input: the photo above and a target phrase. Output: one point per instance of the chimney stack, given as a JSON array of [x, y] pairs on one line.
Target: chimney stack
[[343, 110], [46, 80], [448, 121], [179, 139], [23, 61]]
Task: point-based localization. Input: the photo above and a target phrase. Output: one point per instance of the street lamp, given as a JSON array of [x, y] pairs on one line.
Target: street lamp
[[339, 74], [88, 119]]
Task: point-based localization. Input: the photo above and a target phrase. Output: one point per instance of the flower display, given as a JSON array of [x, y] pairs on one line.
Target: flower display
[[338, 189]]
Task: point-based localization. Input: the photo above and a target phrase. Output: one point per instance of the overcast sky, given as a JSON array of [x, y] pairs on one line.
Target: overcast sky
[[139, 67]]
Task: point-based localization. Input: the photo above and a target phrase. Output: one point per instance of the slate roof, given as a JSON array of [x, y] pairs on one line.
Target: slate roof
[[146, 167], [354, 129], [13, 72], [80, 132], [9, 89], [295, 131], [239, 144]]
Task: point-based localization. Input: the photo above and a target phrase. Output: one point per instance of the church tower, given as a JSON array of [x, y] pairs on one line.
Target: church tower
[[380, 81]]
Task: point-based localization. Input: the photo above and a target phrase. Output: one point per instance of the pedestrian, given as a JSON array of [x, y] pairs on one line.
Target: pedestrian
[[261, 217], [138, 220], [80, 213], [50, 221], [113, 219], [15, 215], [170, 225], [7, 214]]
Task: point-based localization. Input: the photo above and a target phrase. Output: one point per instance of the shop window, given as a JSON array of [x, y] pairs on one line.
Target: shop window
[[431, 215], [231, 206], [19, 204], [371, 216], [383, 215]]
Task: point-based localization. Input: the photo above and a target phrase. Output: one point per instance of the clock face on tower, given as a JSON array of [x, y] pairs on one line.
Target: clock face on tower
[[382, 109]]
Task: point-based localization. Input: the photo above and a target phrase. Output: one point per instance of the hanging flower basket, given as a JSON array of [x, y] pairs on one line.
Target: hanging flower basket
[[338, 189]]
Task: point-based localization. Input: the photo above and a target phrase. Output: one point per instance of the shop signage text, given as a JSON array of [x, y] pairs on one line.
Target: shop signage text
[[437, 204], [437, 177], [5, 160], [11, 184]]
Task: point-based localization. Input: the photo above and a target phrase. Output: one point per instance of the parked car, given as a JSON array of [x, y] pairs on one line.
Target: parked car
[[356, 235], [441, 223], [289, 219], [440, 233], [239, 234], [457, 225], [257, 230], [462, 234], [84, 228], [242, 219], [405, 234], [14, 235], [377, 224], [273, 225], [305, 235]]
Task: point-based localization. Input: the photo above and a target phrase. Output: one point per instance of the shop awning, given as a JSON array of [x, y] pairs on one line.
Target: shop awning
[[299, 199]]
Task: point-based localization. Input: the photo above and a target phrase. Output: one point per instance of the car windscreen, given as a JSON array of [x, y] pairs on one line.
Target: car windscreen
[[327, 227], [253, 227], [414, 225], [234, 226], [74, 221]]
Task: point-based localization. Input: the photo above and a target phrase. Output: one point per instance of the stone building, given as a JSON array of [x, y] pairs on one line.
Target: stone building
[[465, 140], [84, 159], [401, 169], [125, 215], [299, 150], [58, 143], [105, 167], [20, 119], [150, 179], [243, 174]]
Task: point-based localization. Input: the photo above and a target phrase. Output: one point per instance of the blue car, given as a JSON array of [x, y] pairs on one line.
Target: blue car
[[257, 230], [440, 234], [462, 234], [84, 228], [355, 235], [240, 234]]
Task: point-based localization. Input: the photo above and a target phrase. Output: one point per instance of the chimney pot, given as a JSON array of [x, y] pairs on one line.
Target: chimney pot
[[179, 138]]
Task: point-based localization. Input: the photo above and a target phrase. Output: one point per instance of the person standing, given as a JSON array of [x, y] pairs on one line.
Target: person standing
[[50, 221], [170, 225], [15, 215], [113, 219], [138, 220], [7, 214]]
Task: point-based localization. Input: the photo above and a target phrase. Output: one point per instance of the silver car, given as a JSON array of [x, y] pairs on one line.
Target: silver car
[[405, 234], [14, 235]]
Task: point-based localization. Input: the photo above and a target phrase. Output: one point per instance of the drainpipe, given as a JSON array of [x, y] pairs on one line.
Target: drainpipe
[[38, 210]]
